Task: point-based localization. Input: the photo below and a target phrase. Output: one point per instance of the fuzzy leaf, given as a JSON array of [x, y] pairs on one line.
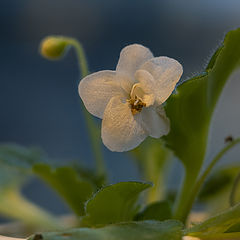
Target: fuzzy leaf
[[191, 108], [146, 230]]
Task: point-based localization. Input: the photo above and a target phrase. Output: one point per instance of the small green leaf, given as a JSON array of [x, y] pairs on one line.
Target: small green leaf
[[146, 230], [156, 211], [218, 225], [191, 108], [114, 203], [65, 180]]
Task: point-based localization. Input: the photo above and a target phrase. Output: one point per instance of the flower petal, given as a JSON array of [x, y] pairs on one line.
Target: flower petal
[[97, 89], [148, 85], [146, 81], [131, 58], [121, 131], [155, 121], [166, 72]]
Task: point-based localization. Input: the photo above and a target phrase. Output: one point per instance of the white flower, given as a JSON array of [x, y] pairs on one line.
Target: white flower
[[129, 99]]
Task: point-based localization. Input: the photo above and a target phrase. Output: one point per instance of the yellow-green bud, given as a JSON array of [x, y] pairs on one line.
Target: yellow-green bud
[[53, 47]]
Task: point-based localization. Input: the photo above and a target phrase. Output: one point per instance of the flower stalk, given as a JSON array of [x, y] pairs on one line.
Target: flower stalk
[[54, 48]]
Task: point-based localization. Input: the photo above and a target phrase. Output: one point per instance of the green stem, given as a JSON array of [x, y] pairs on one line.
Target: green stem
[[82, 60], [94, 132], [209, 168], [14, 205], [181, 205], [191, 190]]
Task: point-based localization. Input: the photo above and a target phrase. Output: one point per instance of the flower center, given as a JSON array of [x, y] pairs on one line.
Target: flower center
[[136, 105]]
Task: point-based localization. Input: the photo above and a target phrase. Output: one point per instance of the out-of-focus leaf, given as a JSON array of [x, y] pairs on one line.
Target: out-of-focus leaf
[[15, 169], [156, 211], [65, 180], [154, 158], [114, 203], [22, 158], [216, 191], [220, 181], [75, 184], [15, 164], [218, 226], [146, 230], [191, 108]]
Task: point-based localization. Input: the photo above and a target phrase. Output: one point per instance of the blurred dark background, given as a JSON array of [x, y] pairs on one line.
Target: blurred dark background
[[39, 101]]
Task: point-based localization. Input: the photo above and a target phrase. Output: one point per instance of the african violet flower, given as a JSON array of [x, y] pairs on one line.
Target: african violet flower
[[129, 100]]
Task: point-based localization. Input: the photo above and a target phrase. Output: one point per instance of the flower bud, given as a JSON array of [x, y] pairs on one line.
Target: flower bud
[[53, 47]]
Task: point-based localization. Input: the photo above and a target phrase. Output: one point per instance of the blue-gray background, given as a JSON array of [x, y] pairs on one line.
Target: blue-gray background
[[39, 102]]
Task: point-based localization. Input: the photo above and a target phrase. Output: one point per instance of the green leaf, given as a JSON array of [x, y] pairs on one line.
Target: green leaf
[[156, 211], [65, 180], [146, 230], [191, 108], [218, 225], [114, 203], [190, 111]]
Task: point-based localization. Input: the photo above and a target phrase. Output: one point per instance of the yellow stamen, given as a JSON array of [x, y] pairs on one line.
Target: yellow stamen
[[136, 105]]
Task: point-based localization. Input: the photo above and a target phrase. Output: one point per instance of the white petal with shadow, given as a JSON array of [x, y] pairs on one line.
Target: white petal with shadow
[[155, 121], [131, 58], [97, 89], [166, 73], [121, 131]]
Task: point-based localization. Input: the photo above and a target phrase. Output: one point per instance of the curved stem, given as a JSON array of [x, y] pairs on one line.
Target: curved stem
[[212, 164], [94, 132], [203, 177], [82, 60]]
